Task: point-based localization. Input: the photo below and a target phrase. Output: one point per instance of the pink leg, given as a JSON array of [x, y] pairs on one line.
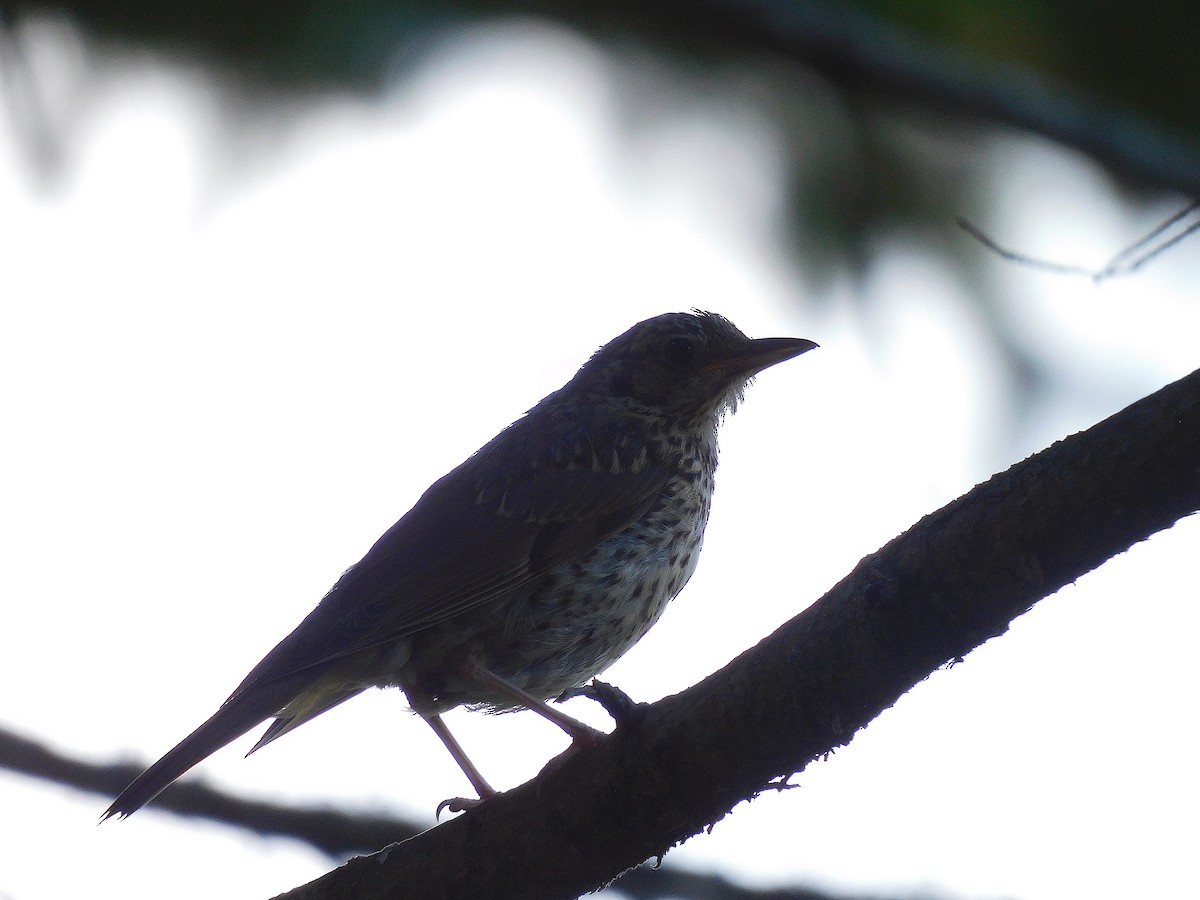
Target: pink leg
[[473, 774], [579, 732]]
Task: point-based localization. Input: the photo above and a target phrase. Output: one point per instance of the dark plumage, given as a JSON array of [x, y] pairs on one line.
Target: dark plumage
[[531, 567]]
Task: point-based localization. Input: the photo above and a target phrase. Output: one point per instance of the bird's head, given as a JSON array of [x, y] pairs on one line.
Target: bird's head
[[684, 366]]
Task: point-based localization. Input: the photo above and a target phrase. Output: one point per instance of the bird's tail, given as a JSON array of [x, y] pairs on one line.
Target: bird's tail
[[240, 713]]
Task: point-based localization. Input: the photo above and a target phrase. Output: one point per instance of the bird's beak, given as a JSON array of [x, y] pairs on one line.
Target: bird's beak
[[759, 354]]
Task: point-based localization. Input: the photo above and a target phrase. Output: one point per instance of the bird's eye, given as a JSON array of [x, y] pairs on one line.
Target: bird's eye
[[679, 351]]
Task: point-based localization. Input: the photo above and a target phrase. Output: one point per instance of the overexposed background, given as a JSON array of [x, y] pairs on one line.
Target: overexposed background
[[233, 353]]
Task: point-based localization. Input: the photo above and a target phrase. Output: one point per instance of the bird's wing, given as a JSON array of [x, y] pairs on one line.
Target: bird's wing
[[512, 512]]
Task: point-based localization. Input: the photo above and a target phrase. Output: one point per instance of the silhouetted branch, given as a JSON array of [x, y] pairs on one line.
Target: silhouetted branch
[[335, 833]]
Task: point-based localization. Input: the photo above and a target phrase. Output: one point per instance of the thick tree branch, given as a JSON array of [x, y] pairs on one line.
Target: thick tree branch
[[951, 582]]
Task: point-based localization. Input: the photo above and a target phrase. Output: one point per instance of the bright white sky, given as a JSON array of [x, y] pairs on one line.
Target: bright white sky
[[218, 394]]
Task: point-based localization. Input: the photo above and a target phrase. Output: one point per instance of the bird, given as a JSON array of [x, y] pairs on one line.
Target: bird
[[530, 568]]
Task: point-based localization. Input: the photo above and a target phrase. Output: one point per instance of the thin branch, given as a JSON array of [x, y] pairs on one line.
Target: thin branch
[[333, 832], [1045, 265], [1118, 262], [1125, 262], [1118, 265]]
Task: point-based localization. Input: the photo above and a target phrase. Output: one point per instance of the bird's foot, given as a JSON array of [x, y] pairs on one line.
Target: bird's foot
[[458, 805], [625, 711]]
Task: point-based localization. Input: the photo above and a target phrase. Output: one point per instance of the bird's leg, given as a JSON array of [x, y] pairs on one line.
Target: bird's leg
[[485, 790], [580, 733]]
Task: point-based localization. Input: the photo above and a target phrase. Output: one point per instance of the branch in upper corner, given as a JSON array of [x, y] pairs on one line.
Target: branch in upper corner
[[844, 43], [862, 53], [950, 583]]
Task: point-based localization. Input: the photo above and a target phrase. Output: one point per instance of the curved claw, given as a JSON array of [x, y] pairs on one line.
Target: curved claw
[[457, 805]]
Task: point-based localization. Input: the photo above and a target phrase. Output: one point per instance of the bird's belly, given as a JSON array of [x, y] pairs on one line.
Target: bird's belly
[[574, 622], [578, 618], [582, 616]]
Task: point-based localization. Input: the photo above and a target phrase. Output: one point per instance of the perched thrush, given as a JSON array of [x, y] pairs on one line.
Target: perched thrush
[[531, 567]]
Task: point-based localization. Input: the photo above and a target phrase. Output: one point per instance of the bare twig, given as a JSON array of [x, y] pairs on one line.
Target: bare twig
[[1118, 265], [1044, 265], [1126, 262]]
